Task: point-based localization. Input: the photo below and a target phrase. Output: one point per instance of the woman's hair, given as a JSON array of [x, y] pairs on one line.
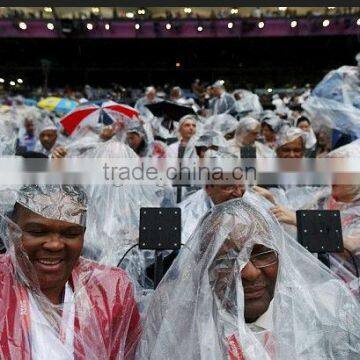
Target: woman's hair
[[301, 119]]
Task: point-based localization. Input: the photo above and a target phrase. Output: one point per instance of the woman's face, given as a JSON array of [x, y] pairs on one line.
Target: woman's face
[[304, 126], [268, 133]]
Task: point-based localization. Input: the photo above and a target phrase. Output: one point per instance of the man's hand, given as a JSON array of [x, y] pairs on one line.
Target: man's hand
[[265, 193], [59, 153], [284, 215]]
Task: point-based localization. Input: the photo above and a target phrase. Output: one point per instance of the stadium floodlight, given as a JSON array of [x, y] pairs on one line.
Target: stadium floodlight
[[130, 15], [20, 81], [261, 25], [294, 24], [2, 80], [95, 10], [230, 25], [137, 26], [269, 90], [326, 23], [12, 83], [187, 10], [177, 64], [107, 26], [234, 11], [284, 8], [200, 28], [168, 26], [48, 9], [50, 26], [141, 11], [89, 26], [358, 22], [22, 25]]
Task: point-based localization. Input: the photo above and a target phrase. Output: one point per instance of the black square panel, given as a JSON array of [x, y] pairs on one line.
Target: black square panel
[[160, 228], [319, 231]]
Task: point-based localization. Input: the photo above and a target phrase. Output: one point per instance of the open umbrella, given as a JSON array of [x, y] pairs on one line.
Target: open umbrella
[[59, 105], [170, 109], [91, 114]]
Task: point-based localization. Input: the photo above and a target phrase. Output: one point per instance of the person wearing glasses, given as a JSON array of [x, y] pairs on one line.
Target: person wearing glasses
[[245, 290]]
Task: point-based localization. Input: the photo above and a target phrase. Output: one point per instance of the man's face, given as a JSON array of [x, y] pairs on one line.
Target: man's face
[[48, 138], [217, 91], [291, 150], [221, 193], [188, 129], [251, 136], [29, 127], [258, 283], [151, 95], [134, 140], [53, 246]]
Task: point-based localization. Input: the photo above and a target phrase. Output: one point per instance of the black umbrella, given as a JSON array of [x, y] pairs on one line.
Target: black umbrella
[[170, 110]]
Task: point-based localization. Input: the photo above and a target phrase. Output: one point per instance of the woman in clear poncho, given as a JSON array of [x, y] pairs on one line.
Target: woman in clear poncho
[[200, 311], [54, 303]]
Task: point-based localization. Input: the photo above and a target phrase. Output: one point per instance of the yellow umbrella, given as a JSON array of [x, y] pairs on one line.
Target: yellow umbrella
[[57, 104]]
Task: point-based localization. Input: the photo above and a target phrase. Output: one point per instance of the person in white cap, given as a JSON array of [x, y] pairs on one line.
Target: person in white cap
[[223, 102], [47, 143]]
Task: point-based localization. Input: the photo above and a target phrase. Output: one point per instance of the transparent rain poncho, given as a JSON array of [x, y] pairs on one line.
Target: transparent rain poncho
[[224, 123], [335, 101], [211, 138], [98, 318], [314, 316], [114, 214], [8, 134], [248, 103]]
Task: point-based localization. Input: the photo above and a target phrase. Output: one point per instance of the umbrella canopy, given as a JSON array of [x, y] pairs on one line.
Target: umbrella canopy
[[174, 111], [56, 104], [30, 102], [91, 114]]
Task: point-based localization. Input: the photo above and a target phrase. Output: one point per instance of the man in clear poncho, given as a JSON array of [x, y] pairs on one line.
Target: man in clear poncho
[[247, 292], [224, 123], [55, 304], [246, 134], [195, 206]]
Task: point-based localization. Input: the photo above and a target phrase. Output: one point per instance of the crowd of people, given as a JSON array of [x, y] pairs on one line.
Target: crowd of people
[[170, 14], [74, 284]]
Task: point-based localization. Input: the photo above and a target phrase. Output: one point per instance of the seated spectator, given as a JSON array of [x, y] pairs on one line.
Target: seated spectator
[[247, 291], [55, 304]]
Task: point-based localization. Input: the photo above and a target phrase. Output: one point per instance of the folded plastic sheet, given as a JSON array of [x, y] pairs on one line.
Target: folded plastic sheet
[[335, 101]]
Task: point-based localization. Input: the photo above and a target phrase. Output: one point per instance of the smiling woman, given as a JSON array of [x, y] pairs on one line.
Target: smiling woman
[[55, 303]]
